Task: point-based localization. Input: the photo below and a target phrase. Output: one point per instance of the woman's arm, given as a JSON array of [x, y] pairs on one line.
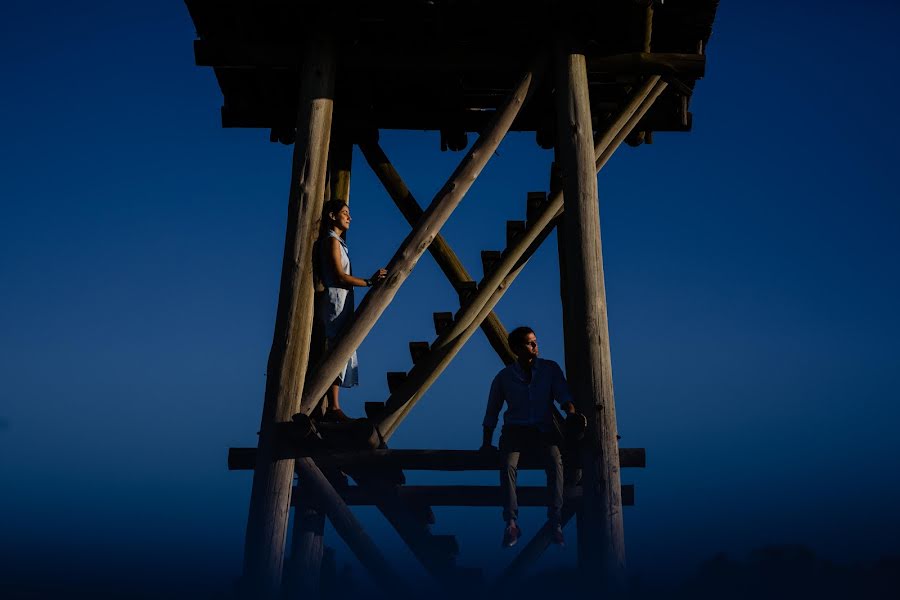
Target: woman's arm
[[349, 280]]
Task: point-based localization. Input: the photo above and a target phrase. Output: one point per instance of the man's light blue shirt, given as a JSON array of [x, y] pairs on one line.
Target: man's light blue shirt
[[527, 403]]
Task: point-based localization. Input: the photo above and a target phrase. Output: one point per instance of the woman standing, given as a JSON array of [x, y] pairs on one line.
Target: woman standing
[[336, 303]]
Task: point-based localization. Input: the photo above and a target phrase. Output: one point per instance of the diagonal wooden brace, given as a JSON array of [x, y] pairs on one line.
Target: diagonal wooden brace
[[443, 254], [530, 553], [498, 281], [415, 244], [348, 527]]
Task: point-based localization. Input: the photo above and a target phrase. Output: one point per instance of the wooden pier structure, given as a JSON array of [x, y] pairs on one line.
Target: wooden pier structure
[[584, 77]]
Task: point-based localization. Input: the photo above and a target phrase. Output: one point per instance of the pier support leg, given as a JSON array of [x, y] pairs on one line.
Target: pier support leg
[[601, 549], [307, 548], [288, 358]]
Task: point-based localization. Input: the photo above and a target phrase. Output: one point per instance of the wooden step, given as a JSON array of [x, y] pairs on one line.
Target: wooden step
[[418, 351], [446, 545], [395, 379], [535, 202], [374, 410], [489, 260], [466, 291], [423, 512], [513, 230], [442, 322]]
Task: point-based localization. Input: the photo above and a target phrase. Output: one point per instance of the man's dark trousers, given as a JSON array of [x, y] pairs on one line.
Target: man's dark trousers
[[515, 439]]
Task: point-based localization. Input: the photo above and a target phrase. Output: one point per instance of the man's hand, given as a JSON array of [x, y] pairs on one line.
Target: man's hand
[[576, 425]]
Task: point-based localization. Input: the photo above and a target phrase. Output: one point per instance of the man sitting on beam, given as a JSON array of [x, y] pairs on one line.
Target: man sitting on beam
[[528, 386]]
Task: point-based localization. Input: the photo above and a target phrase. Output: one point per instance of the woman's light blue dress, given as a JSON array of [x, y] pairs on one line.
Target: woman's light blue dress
[[336, 307]]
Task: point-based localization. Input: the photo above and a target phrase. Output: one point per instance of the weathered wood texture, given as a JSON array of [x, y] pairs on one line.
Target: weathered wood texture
[[422, 460], [491, 289], [443, 254], [340, 161], [602, 540], [286, 369], [303, 578], [466, 495], [347, 526], [412, 248]]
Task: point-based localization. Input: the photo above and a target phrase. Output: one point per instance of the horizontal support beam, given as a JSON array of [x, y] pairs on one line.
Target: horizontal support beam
[[465, 495], [224, 54], [243, 459]]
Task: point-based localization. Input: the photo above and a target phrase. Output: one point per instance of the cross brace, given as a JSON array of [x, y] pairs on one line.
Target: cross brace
[[494, 285]]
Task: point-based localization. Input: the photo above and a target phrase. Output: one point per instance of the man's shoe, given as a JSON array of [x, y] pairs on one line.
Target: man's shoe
[[511, 535], [557, 537]]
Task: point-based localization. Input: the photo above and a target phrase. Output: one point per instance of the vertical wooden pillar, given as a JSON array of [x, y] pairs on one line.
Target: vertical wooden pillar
[[288, 358], [307, 547], [601, 549], [339, 158], [307, 538], [339, 162]]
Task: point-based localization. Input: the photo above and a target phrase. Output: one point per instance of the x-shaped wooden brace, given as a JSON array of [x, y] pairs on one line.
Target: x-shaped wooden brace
[[443, 254], [495, 283]]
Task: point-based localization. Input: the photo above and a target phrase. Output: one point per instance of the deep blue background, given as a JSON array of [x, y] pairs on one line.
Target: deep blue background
[[751, 271]]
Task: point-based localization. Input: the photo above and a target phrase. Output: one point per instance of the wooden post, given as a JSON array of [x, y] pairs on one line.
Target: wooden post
[[412, 248], [340, 161], [307, 547], [286, 370], [603, 549], [443, 254], [504, 273]]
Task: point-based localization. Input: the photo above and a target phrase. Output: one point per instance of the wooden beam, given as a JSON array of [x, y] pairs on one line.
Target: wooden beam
[[443, 254], [412, 248], [236, 55], [347, 526], [243, 459], [242, 110], [272, 479], [465, 495], [495, 284], [601, 536]]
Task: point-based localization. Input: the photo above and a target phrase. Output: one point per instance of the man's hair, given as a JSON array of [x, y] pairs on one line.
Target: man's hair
[[517, 336], [332, 207]]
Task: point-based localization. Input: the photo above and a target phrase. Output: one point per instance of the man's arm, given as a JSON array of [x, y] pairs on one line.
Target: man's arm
[[494, 404], [487, 438]]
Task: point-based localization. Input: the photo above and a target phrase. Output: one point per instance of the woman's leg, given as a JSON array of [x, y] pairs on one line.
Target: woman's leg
[[332, 396]]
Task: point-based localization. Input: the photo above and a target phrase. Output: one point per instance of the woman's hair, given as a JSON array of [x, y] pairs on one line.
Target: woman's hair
[[331, 207], [517, 336]]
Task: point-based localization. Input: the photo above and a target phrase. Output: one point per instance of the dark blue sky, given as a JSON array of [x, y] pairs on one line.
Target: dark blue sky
[[751, 275]]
